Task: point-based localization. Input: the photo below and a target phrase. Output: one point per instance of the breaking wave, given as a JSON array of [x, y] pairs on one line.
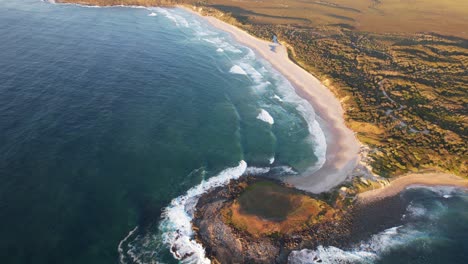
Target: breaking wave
[[236, 69], [365, 252], [178, 20], [265, 117], [176, 226], [317, 136], [419, 227], [221, 43], [259, 73]]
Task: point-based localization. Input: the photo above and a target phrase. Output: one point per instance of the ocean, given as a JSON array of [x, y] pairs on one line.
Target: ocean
[[114, 120], [108, 114], [430, 226]]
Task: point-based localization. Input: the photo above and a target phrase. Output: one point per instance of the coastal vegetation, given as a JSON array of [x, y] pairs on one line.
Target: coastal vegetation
[[255, 220], [403, 83], [405, 94], [266, 208]]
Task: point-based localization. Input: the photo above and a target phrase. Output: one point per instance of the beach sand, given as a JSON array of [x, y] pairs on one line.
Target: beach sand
[[342, 145], [419, 179]]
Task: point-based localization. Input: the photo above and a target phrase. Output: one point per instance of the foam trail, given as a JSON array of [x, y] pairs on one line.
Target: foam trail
[[176, 226], [265, 117], [120, 247], [236, 69], [256, 171], [272, 159], [283, 171]]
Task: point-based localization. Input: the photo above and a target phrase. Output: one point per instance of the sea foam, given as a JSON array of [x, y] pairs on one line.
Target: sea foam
[[420, 218], [265, 117], [221, 42], [178, 20], [364, 252], [236, 69], [257, 171], [272, 160], [176, 226]]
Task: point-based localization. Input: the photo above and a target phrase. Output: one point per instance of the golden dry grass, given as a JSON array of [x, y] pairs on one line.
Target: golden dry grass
[[449, 17], [303, 212]]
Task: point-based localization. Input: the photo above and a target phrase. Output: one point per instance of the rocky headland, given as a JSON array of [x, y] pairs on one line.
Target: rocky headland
[[233, 229]]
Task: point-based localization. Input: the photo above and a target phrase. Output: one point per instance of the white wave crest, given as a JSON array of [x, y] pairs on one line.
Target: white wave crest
[[221, 42], [284, 171], [236, 69], [176, 224], [439, 190], [272, 159], [259, 81], [278, 98], [364, 252], [256, 171], [178, 20], [265, 117], [152, 14], [219, 50]]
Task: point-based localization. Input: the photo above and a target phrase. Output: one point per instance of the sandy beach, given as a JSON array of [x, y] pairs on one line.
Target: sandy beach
[[342, 145], [423, 179]]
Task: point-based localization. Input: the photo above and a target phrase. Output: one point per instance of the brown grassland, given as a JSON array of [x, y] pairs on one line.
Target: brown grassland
[[266, 208]]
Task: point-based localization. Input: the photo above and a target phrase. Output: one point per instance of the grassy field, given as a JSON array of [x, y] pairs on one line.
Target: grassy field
[[381, 16], [399, 67], [266, 208], [448, 17]]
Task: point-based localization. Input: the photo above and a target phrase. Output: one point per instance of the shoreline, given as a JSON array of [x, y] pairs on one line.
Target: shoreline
[[342, 146], [342, 154], [399, 184]]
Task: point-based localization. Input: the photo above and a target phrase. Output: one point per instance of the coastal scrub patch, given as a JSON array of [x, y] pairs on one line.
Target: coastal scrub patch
[[266, 208]]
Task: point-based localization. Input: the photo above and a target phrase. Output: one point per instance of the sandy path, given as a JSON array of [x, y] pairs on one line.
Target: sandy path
[[342, 146]]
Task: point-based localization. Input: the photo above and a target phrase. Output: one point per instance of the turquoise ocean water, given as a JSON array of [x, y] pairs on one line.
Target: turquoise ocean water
[[114, 120]]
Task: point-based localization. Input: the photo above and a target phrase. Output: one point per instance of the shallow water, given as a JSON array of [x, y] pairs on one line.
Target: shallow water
[[109, 114]]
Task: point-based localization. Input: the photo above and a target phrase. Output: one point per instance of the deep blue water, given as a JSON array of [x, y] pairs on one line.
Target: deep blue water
[[107, 115]]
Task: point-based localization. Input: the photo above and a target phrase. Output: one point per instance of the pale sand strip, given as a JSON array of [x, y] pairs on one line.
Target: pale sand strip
[[399, 184], [342, 145]]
